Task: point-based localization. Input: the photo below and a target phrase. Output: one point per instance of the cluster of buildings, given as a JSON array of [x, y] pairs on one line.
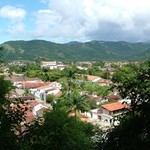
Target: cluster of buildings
[[106, 115], [35, 102], [35, 86]]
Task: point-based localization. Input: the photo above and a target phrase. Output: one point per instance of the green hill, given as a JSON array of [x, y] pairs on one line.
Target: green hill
[[93, 50]]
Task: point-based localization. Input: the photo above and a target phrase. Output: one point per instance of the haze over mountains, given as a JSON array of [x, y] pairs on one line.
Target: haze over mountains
[[93, 50]]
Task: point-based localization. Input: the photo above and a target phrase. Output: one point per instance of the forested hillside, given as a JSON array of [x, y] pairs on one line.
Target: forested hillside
[[93, 50]]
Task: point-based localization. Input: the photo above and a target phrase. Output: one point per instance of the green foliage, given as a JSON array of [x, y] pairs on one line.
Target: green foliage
[[60, 132], [125, 73], [92, 103], [29, 68], [50, 98], [94, 50], [98, 64], [94, 88], [134, 82], [1, 49], [26, 92], [93, 71], [34, 73], [134, 129], [91, 87], [10, 117], [104, 91], [105, 74], [55, 75], [68, 85], [114, 65], [70, 72], [75, 102]]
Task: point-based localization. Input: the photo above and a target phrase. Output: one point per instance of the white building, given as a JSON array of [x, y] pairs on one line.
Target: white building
[[41, 92], [52, 65], [108, 112]]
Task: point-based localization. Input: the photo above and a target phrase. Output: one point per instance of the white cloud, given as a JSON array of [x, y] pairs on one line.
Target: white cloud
[[98, 19], [45, 20], [67, 20], [12, 13], [14, 16]]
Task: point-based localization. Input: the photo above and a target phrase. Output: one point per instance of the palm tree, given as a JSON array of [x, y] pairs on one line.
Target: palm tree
[[75, 102]]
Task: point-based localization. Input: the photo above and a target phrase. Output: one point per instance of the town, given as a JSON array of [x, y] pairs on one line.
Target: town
[[58, 105], [41, 84]]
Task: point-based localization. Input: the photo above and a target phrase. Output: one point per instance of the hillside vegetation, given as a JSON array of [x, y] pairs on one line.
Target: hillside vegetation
[[93, 50]]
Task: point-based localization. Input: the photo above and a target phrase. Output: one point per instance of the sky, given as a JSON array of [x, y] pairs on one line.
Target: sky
[[62, 21]]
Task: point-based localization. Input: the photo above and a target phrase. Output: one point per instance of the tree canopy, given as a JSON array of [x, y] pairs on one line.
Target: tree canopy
[[60, 132], [133, 132]]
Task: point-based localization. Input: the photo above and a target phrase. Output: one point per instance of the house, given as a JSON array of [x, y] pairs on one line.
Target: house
[[93, 78], [52, 65], [109, 112], [51, 88], [99, 80], [93, 114], [18, 79], [38, 110], [30, 84], [35, 110]]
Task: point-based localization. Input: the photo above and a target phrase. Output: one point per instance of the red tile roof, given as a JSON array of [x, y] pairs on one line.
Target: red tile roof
[[114, 106], [17, 78], [32, 84], [29, 116], [90, 78]]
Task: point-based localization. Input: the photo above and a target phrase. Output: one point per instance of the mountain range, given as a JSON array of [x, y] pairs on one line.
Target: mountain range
[[75, 51]]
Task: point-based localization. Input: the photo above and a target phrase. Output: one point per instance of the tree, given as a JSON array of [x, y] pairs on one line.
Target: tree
[[103, 91], [134, 129], [11, 116], [124, 73], [1, 49], [68, 85], [59, 132], [93, 71], [105, 74], [75, 102], [70, 72], [52, 99], [91, 87], [98, 63]]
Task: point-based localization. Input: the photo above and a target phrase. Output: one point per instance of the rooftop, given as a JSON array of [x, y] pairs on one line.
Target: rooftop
[[90, 78], [114, 106]]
